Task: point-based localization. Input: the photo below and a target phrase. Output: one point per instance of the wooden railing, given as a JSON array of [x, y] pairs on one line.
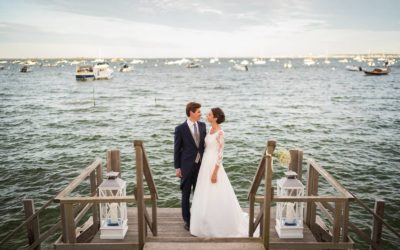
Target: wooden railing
[[69, 221], [143, 168], [31, 223], [260, 175], [338, 236]]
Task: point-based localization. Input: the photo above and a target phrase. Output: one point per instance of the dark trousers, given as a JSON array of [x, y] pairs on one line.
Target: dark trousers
[[187, 184]]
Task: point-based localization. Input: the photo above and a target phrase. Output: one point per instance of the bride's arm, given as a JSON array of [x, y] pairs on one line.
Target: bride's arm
[[220, 141]]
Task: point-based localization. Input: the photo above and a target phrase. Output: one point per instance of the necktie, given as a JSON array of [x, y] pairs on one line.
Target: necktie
[[197, 140], [196, 134]]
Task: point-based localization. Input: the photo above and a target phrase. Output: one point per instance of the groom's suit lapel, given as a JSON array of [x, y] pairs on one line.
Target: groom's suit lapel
[[188, 133]]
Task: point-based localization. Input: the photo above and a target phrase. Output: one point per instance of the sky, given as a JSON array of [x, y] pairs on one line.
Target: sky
[[191, 28]]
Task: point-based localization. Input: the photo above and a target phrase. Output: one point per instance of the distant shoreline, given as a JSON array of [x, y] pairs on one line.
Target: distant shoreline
[[367, 55]]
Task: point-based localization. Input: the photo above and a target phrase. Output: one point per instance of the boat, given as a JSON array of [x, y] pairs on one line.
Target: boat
[[25, 69], [126, 68], [102, 71], [259, 61], [214, 60], [288, 65], [192, 65], [377, 71], [353, 68], [240, 67], [308, 61], [84, 72]]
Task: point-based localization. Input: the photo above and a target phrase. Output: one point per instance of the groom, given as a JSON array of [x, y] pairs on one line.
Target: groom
[[188, 152]]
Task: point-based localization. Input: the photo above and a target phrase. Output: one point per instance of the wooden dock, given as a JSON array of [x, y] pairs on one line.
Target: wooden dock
[[151, 227], [172, 235]]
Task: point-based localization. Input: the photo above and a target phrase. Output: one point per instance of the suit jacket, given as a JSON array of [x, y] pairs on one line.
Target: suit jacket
[[185, 148]]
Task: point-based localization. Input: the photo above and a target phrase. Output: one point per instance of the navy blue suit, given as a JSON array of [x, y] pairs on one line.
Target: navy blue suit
[[185, 152]]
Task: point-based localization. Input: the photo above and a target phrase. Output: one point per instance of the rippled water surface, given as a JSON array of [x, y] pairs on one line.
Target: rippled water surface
[[51, 129]]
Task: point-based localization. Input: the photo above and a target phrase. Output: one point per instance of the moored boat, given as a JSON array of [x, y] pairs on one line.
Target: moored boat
[[240, 67], [25, 69], [102, 71], [353, 68], [84, 72], [377, 71], [126, 68]]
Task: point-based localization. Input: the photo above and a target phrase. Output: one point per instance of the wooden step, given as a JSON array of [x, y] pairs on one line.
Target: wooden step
[[204, 246]]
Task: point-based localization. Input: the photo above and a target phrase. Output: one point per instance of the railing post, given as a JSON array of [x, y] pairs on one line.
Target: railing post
[[337, 222], [154, 214], [267, 200], [140, 192], [95, 207], [32, 227], [312, 189], [251, 215], [296, 162], [68, 223], [377, 224], [114, 161], [345, 228]]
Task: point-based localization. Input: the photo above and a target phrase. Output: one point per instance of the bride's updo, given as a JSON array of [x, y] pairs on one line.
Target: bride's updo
[[219, 114]]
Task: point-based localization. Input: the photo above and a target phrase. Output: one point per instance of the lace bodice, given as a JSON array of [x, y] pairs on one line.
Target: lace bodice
[[215, 143]]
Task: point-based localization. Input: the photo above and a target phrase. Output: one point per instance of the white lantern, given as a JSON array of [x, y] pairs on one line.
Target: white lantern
[[289, 215], [113, 216]]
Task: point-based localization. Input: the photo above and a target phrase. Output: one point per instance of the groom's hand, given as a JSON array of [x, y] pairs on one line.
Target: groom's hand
[[178, 173]]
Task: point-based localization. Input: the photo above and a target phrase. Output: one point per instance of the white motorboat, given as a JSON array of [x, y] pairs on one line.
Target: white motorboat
[[353, 68], [214, 60], [240, 67], [259, 61], [126, 68], [288, 65], [308, 61], [84, 72], [102, 71]]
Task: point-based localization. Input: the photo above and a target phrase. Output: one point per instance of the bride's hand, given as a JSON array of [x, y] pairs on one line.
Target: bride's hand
[[214, 178]]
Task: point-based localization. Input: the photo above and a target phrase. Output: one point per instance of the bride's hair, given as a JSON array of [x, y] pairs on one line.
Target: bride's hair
[[219, 114]]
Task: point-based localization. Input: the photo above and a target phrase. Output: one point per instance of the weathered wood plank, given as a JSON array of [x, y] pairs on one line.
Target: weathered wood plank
[[331, 180], [140, 194], [204, 246], [33, 226], [81, 177], [267, 199], [377, 224], [114, 161], [296, 162]]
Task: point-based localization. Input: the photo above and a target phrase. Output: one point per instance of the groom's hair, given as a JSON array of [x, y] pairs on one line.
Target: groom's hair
[[192, 106], [219, 114]]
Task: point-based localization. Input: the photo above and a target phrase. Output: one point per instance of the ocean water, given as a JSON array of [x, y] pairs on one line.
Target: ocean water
[[52, 126]]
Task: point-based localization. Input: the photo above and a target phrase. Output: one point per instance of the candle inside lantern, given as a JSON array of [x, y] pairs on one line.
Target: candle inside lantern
[[290, 214], [113, 214]]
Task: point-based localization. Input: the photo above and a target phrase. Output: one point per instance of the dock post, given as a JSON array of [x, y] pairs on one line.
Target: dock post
[[68, 223], [267, 200], [114, 161], [32, 227], [312, 189], [377, 224], [140, 193], [296, 162]]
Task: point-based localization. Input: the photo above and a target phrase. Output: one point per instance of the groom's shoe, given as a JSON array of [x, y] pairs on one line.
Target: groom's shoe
[[186, 226]]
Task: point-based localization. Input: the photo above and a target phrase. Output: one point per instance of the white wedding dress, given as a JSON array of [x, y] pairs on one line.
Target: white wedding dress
[[215, 210]]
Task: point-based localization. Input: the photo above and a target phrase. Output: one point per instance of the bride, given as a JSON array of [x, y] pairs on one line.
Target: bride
[[215, 210]]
